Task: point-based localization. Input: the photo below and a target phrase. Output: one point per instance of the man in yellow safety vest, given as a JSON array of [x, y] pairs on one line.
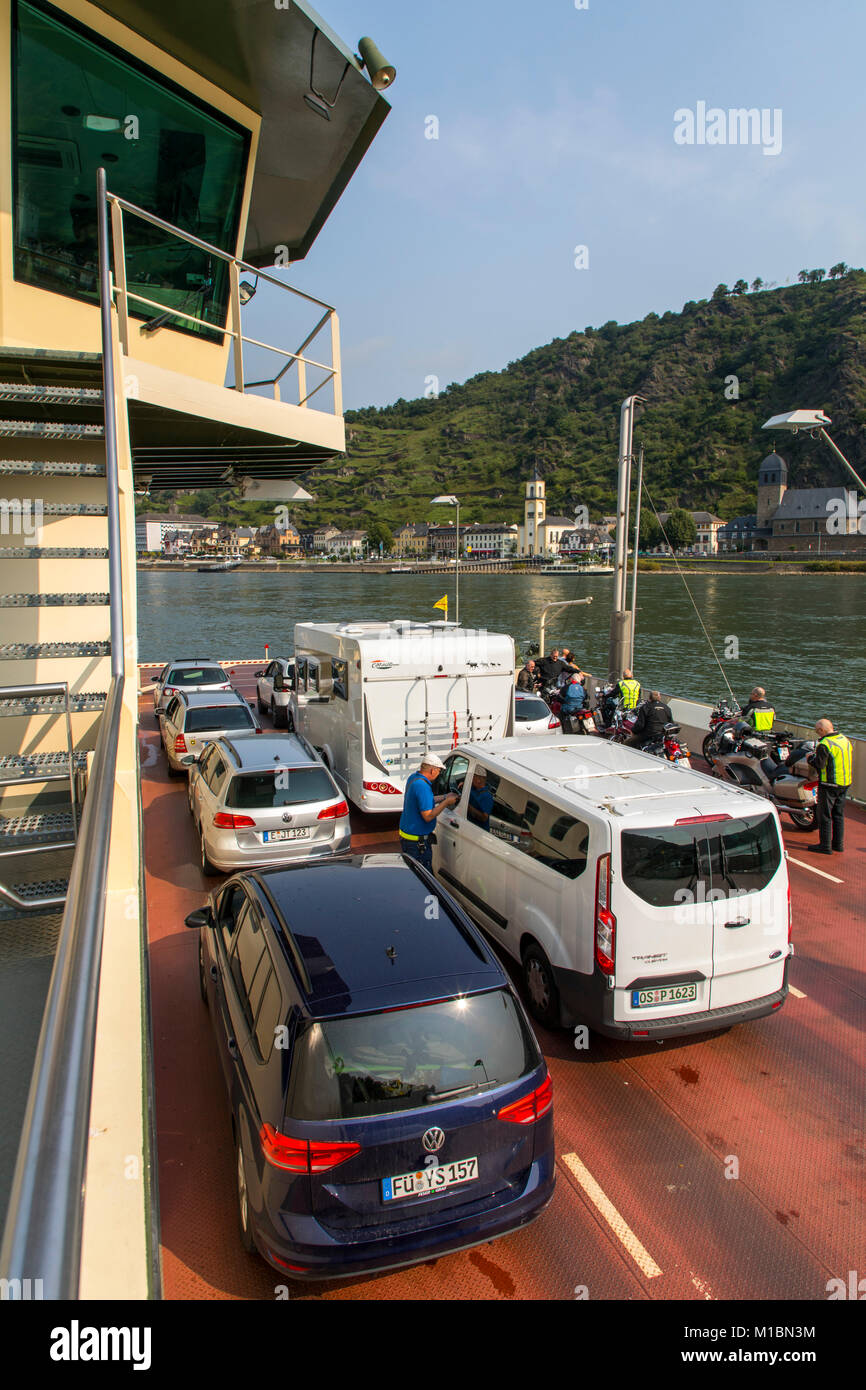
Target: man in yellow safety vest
[[629, 690], [758, 711], [834, 759]]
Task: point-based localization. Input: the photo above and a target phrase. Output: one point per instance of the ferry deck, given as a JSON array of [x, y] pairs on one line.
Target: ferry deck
[[645, 1204]]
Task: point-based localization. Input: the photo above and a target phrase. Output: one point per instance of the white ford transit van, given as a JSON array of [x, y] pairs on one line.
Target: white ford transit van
[[642, 899]]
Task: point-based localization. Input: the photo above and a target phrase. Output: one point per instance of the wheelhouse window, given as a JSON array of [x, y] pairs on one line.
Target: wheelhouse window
[[79, 103]]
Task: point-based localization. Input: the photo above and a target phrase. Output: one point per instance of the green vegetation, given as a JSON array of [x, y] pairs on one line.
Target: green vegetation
[[835, 566], [710, 375]]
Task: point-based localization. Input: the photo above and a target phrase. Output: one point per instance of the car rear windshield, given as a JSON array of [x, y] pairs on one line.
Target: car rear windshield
[[293, 786], [731, 857], [213, 717], [406, 1058], [524, 710], [198, 675]]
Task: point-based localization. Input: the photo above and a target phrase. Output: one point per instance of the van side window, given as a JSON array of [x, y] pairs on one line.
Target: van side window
[[341, 679], [451, 780], [546, 834]]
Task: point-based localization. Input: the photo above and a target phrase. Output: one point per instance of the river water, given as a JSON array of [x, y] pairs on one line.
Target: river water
[[803, 637]]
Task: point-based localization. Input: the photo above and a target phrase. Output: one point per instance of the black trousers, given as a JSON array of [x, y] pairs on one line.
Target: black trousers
[[831, 815]]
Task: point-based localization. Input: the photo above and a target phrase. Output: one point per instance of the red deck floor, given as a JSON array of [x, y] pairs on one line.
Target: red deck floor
[[656, 1126]]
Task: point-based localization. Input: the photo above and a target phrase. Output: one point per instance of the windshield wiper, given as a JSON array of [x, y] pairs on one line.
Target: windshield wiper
[[459, 1090]]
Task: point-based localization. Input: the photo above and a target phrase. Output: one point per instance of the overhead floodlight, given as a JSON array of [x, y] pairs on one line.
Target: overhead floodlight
[[796, 420], [381, 73], [813, 423]]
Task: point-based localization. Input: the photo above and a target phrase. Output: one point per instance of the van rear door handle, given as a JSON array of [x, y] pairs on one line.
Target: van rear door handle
[[453, 823], [739, 922]]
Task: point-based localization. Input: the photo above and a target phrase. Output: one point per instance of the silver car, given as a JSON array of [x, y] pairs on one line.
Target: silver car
[[273, 687], [266, 798], [188, 674], [193, 721], [532, 715]]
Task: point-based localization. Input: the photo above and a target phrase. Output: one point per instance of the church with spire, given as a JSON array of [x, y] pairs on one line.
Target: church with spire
[[540, 535]]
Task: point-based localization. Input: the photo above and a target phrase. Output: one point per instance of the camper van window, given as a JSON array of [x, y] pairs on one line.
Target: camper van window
[[341, 679], [312, 677]]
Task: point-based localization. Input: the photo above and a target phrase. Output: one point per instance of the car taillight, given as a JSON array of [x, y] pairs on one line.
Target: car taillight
[[605, 922], [553, 722], [341, 808], [180, 744], [303, 1155], [224, 820], [384, 787], [225, 687], [170, 690], [530, 1108]]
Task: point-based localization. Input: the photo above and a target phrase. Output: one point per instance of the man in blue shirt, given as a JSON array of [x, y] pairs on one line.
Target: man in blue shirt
[[480, 799], [572, 703], [420, 809]]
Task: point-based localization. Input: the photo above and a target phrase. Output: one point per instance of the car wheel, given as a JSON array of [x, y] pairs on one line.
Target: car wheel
[[541, 990], [207, 867], [261, 705], [290, 720], [202, 982], [244, 1205], [172, 770]]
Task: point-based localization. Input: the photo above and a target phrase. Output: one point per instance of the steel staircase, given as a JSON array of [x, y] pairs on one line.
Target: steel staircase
[[54, 674]]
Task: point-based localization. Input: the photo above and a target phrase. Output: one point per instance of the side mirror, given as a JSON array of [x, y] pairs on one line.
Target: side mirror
[[259, 673], [200, 918]]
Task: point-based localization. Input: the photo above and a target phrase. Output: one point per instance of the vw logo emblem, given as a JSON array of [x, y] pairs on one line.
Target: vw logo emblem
[[433, 1140], [287, 818]]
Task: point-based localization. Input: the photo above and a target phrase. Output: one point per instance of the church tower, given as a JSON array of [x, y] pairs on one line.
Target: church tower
[[534, 514], [772, 486]]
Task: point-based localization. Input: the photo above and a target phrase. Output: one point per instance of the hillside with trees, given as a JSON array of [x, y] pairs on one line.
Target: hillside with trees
[[710, 376]]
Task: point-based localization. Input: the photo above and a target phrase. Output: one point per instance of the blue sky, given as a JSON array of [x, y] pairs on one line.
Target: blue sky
[[454, 256]]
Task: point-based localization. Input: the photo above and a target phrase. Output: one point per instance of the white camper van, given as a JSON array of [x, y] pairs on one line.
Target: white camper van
[[374, 696], [642, 899]]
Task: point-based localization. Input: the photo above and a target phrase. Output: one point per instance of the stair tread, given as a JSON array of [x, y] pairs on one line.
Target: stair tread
[[57, 552], [54, 704], [52, 600], [53, 468], [47, 888], [22, 391], [31, 651], [22, 767], [74, 509], [37, 827], [51, 429]]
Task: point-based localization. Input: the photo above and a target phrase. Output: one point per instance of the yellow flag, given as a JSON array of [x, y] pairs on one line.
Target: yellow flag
[[443, 604]]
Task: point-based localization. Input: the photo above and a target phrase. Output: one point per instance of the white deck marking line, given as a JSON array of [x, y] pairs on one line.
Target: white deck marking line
[[797, 993], [813, 870], [605, 1206]]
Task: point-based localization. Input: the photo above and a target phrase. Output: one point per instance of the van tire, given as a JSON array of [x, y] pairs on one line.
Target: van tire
[[541, 992]]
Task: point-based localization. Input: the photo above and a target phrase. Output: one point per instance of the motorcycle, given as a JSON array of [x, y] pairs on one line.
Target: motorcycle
[[770, 766], [670, 747], [723, 714], [581, 722]]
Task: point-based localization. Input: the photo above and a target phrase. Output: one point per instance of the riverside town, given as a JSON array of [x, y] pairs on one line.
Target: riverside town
[[432, 670]]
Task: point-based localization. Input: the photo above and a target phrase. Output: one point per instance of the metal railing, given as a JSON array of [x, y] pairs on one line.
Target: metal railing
[[43, 1232], [233, 328]]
